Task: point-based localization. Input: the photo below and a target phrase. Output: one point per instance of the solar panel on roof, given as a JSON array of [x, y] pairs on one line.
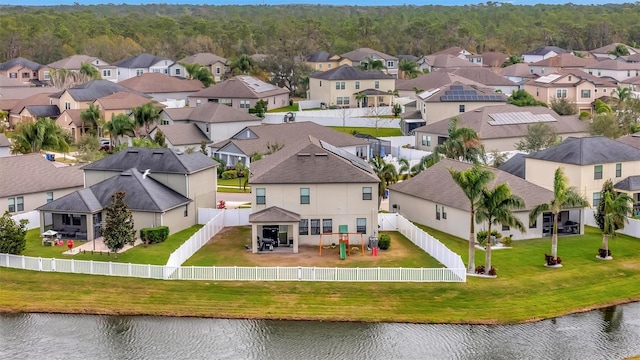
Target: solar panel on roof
[[515, 118]]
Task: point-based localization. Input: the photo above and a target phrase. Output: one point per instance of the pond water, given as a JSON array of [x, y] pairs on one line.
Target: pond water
[[612, 333]]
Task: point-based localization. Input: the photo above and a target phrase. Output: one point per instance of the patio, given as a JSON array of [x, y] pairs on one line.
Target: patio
[[96, 245]]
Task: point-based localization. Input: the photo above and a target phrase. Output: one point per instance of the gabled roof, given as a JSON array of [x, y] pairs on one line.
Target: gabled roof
[[157, 160], [545, 50], [26, 174], [4, 140], [520, 70], [509, 121], [284, 134], [346, 72], [20, 61], [75, 115], [630, 183], [245, 87], [124, 100], [553, 80], [566, 60], [494, 59], [142, 193], [73, 62], [41, 111], [408, 57], [515, 165], [366, 53], [458, 92], [161, 83], [210, 112], [183, 134], [319, 56], [93, 90], [447, 193], [203, 59], [37, 99], [274, 214], [453, 51], [588, 151], [483, 76], [307, 161], [433, 80], [614, 64], [140, 61], [632, 80], [7, 105], [445, 61], [177, 114], [611, 47]]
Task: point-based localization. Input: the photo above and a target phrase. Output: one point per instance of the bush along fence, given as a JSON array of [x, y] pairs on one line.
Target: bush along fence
[[455, 270]]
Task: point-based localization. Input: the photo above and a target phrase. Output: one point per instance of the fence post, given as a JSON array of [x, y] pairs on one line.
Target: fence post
[[110, 268], [129, 269], [277, 272], [91, 267], [73, 266], [149, 270], [299, 273], [24, 264], [39, 264], [53, 264], [314, 273]]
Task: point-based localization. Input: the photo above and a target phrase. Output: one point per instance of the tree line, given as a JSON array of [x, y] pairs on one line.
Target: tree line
[[113, 32]]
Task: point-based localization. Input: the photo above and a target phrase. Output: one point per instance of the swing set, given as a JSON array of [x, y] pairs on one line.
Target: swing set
[[343, 238]]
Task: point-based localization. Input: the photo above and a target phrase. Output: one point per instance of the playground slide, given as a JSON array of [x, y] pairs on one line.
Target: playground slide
[[343, 251]]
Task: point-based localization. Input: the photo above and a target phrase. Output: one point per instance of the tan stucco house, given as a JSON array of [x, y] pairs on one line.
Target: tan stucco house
[[341, 87], [242, 93], [455, 99]]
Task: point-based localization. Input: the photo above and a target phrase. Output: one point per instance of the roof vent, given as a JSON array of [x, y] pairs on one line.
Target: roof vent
[[321, 154], [304, 154]]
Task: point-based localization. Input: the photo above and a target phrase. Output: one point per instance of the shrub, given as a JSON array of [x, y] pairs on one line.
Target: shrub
[[551, 261], [481, 236], [604, 253], [506, 241], [230, 174], [384, 242], [480, 270], [154, 235], [584, 115]]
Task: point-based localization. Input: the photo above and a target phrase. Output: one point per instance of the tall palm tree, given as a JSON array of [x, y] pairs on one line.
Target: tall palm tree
[[386, 173], [623, 93], [243, 64], [462, 144], [472, 181], [119, 125], [404, 168], [44, 134], [360, 97], [91, 118], [617, 206], [145, 115], [408, 69], [425, 162], [563, 197], [90, 71], [495, 207], [372, 65], [199, 72]]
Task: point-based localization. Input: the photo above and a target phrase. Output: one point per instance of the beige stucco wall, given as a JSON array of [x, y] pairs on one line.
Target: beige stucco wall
[[34, 200], [202, 188], [325, 90], [176, 221], [340, 202], [92, 177], [436, 111]]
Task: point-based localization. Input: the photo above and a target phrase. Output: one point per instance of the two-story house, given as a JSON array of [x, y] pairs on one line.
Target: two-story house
[[215, 64], [614, 68], [74, 63], [343, 85], [81, 96], [144, 63], [242, 92], [323, 61], [455, 99], [444, 61], [361, 56], [162, 188], [20, 69], [605, 52], [565, 61], [312, 189]]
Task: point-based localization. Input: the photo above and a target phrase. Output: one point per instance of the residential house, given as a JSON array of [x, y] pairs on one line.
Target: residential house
[[455, 99], [144, 63], [162, 188], [412, 87], [633, 84], [433, 199], [322, 61], [486, 77], [242, 92], [493, 59], [518, 73], [343, 85], [81, 96], [161, 87], [121, 102], [515, 165], [444, 61], [605, 52], [588, 162], [182, 137], [577, 86], [5, 145], [74, 63], [565, 61], [542, 53], [17, 112], [20, 69], [270, 138], [631, 139], [71, 120], [31, 113], [306, 194], [361, 56], [215, 64], [618, 70], [500, 127], [29, 181], [456, 51]]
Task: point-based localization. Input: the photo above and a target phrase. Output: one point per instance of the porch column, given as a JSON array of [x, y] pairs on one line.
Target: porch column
[[254, 238], [296, 232], [41, 214], [90, 229]]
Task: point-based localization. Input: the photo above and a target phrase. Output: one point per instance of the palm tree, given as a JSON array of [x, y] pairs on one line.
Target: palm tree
[[119, 125], [145, 115], [360, 97], [495, 207], [617, 206], [90, 71], [408, 69], [462, 144], [472, 181], [199, 72], [425, 162], [620, 50], [386, 173], [243, 64], [623, 93], [563, 197], [44, 134], [91, 118], [372, 65], [404, 168]]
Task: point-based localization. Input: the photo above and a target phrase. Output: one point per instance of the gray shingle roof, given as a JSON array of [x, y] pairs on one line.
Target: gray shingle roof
[[93, 90], [203, 59], [514, 166], [140, 61], [446, 61], [346, 72], [319, 56], [483, 76], [365, 53], [26, 174], [161, 83], [545, 50], [141, 194], [588, 151], [20, 61], [51, 111], [183, 134], [274, 214], [211, 112], [435, 184], [630, 183], [157, 160]]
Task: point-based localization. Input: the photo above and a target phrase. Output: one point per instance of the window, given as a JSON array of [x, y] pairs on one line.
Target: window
[[461, 108], [599, 73], [357, 85], [76, 220], [505, 228], [339, 85], [245, 104], [561, 93], [225, 101], [261, 196], [315, 226], [12, 205], [569, 77], [437, 212], [533, 225], [47, 75], [320, 83], [585, 93], [107, 72], [304, 227], [67, 105], [49, 197], [178, 71], [597, 172], [25, 75], [186, 210], [139, 72], [604, 90], [327, 225], [361, 225], [377, 84], [156, 71], [596, 199], [367, 193], [345, 100], [328, 66], [361, 152], [424, 140], [339, 100], [218, 70], [537, 91], [305, 197], [429, 140], [391, 64], [13, 75], [619, 170]]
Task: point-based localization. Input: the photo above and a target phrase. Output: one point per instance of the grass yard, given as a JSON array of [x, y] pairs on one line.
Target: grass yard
[[380, 132], [232, 186], [228, 249], [291, 108]]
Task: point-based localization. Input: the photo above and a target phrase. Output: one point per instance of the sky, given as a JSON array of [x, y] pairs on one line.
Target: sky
[[324, 2]]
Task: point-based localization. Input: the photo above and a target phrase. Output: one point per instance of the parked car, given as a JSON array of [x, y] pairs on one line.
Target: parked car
[[105, 144]]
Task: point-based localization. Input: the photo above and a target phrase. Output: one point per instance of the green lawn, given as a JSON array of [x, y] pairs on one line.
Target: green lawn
[[379, 132], [293, 107]]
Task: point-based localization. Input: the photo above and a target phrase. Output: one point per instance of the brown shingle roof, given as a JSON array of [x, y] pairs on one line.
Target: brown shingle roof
[[203, 59], [274, 214], [21, 93], [483, 76], [6, 105], [493, 58], [124, 100], [612, 64], [75, 115], [435, 184], [433, 80], [37, 99], [161, 83], [244, 87], [365, 53], [631, 139], [72, 62], [177, 114], [26, 174], [566, 60], [445, 61], [453, 51], [183, 134], [520, 70]]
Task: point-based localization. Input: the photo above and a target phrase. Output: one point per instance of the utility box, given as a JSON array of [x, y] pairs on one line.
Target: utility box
[[373, 242]]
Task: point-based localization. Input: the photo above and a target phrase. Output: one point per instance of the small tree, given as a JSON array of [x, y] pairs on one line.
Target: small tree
[[118, 230], [539, 136], [203, 147], [159, 138], [523, 98], [12, 234], [563, 106], [260, 109]]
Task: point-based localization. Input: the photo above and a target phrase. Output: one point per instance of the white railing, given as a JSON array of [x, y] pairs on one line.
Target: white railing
[[631, 228], [33, 217], [196, 241]]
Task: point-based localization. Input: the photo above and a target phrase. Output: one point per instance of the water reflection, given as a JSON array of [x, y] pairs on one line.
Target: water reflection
[[602, 334]]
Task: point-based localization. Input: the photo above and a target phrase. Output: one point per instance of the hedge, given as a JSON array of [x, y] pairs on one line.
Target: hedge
[[154, 235]]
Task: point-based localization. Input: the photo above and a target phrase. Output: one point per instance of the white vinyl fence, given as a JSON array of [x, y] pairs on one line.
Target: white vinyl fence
[[631, 228], [32, 216], [454, 272]]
